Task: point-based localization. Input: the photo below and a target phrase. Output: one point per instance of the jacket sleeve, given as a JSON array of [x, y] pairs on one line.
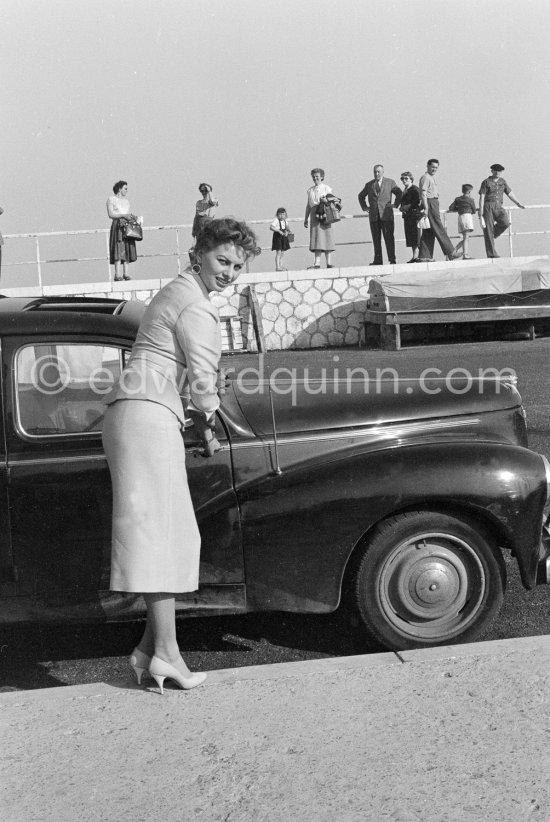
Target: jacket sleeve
[[363, 197], [398, 193], [198, 333]]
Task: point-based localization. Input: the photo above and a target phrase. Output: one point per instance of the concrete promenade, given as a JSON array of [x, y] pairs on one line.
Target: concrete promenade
[[440, 735]]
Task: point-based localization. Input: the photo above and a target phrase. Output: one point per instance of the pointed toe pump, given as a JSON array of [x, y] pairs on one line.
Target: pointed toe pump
[[161, 670], [140, 662]]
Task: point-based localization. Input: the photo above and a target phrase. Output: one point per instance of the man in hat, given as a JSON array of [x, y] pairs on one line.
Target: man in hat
[[492, 215]]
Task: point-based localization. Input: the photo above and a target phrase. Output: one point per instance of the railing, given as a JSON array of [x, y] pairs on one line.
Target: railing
[[39, 261]]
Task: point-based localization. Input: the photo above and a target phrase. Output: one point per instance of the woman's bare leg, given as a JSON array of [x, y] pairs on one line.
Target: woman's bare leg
[[161, 626], [147, 641]]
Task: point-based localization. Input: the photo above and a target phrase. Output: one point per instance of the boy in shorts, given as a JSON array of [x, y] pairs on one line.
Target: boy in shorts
[[465, 206]]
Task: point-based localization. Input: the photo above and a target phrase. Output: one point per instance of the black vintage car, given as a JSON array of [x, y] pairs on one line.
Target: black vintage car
[[398, 498]]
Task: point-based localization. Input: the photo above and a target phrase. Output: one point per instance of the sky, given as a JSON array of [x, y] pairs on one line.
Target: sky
[[249, 95]]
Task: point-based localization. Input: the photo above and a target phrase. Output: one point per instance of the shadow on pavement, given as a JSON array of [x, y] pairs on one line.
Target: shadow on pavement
[[53, 655]]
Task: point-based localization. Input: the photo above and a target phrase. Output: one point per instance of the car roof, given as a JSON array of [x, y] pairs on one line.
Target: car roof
[[69, 314], [61, 303]]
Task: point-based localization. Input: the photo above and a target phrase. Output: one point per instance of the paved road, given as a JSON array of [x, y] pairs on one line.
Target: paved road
[[52, 656]]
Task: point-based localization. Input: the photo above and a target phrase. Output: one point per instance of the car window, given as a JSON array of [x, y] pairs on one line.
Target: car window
[[61, 388]]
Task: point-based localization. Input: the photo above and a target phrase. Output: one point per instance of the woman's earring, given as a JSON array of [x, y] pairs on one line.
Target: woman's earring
[[196, 269]]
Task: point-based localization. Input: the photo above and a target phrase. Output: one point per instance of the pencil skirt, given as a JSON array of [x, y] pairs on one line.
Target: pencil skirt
[[155, 536]]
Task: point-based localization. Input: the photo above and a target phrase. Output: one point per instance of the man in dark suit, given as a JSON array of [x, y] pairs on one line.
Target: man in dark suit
[[379, 193]]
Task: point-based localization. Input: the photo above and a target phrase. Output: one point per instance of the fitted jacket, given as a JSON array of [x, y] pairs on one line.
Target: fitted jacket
[[177, 350], [380, 205]]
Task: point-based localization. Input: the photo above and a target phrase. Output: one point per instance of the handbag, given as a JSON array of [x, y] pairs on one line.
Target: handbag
[[290, 237], [132, 231], [329, 212], [423, 223], [332, 210]]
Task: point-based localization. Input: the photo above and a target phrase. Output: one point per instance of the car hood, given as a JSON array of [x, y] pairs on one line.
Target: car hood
[[312, 405]]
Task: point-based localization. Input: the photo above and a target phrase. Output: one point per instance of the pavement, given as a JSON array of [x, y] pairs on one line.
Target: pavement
[[439, 735]]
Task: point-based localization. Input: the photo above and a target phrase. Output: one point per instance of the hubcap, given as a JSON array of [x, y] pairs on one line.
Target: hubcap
[[431, 584]]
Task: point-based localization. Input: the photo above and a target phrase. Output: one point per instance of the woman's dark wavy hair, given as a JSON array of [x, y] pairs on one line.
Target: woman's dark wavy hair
[[118, 185], [218, 231]]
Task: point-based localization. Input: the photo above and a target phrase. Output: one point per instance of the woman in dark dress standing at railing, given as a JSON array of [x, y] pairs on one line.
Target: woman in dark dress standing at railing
[[121, 250], [411, 208]]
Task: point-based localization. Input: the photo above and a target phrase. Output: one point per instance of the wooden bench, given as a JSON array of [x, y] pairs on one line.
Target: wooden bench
[[382, 329]]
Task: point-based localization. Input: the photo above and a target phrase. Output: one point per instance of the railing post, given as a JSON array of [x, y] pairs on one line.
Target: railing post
[[38, 264], [108, 257], [178, 250], [363, 242]]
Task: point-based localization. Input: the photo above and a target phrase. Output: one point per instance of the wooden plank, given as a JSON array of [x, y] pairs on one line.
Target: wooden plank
[[388, 324], [257, 319], [237, 333], [456, 315], [390, 337], [231, 333]]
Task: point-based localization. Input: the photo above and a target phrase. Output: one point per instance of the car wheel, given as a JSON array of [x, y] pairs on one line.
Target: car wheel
[[428, 579]]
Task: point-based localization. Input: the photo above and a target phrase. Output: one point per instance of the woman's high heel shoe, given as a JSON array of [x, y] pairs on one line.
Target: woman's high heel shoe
[[161, 670], [140, 662]]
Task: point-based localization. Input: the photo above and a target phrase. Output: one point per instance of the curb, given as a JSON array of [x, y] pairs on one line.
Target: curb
[[535, 645]]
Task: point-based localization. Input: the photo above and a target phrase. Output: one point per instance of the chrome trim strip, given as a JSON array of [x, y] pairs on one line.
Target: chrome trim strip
[[78, 458], [12, 463], [68, 436], [376, 434], [371, 435]]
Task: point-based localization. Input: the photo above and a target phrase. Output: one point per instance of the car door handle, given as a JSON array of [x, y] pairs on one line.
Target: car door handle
[[198, 451]]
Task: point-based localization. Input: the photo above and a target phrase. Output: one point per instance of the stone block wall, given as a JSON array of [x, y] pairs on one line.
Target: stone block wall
[[313, 313], [296, 309], [300, 311]]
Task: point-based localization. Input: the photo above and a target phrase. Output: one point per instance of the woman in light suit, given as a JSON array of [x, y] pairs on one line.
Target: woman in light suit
[[155, 538]]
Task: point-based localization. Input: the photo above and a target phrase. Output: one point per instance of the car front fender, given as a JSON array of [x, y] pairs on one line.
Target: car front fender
[[300, 528]]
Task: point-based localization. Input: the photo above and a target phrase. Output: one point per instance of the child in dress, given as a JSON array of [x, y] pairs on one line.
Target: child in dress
[[280, 242], [466, 208]]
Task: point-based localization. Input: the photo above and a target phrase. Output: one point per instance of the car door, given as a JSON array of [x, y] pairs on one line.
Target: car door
[[7, 566], [59, 490]]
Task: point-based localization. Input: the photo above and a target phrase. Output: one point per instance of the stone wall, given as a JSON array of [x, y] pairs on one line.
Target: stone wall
[[312, 313], [296, 309]]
